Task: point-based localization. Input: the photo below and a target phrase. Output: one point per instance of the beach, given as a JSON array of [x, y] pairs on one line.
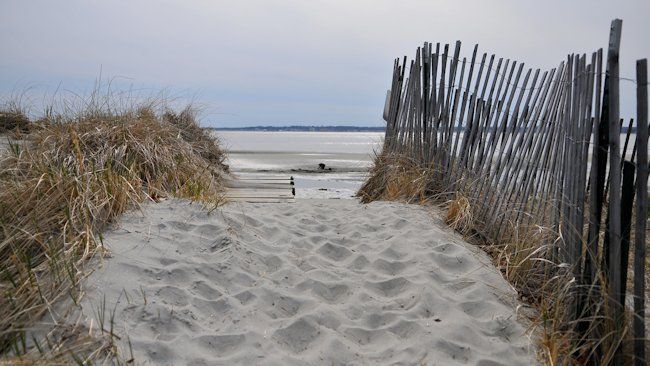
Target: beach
[[311, 282]]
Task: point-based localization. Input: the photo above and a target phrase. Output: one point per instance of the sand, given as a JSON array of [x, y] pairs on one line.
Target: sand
[[5, 141], [319, 282]]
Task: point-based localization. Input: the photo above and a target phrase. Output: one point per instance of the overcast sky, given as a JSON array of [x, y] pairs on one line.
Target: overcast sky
[[269, 62]]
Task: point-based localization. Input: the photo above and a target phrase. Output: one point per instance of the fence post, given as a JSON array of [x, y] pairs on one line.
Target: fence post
[[614, 224], [627, 200], [641, 211]]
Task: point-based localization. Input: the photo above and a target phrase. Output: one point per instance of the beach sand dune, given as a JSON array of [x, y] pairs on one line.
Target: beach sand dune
[[323, 282]]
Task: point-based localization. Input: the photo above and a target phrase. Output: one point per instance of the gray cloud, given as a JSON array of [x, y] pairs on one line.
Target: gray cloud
[[288, 62]]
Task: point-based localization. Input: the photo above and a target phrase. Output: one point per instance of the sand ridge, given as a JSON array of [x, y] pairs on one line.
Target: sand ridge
[[319, 282]]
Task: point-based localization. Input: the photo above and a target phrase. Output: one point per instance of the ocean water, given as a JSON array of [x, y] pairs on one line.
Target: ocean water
[[346, 155]]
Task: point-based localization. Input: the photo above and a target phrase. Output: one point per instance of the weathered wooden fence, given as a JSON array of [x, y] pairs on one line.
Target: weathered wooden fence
[[536, 148]]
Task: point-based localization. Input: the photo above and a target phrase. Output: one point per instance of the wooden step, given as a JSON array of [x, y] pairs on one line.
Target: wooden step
[[261, 189]]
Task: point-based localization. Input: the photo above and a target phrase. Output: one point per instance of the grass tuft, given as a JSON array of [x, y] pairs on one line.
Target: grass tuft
[[396, 177], [459, 214], [13, 119], [203, 143]]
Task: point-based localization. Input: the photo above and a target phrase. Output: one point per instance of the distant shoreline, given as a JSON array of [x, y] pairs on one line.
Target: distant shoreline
[[302, 129]]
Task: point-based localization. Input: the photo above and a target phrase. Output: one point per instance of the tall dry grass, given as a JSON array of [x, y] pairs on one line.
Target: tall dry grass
[[525, 253], [64, 183], [397, 177], [13, 119]]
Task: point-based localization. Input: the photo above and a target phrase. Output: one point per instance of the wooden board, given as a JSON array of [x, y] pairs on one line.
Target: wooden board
[[261, 189]]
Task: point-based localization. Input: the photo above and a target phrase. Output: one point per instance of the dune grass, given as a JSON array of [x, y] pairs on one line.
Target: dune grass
[[526, 255], [14, 120], [396, 178], [63, 183]]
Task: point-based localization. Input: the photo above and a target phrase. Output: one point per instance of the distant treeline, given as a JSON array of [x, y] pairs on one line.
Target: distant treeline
[[304, 128]]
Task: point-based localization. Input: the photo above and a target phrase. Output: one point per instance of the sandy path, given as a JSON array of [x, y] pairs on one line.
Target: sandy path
[[313, 282]]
